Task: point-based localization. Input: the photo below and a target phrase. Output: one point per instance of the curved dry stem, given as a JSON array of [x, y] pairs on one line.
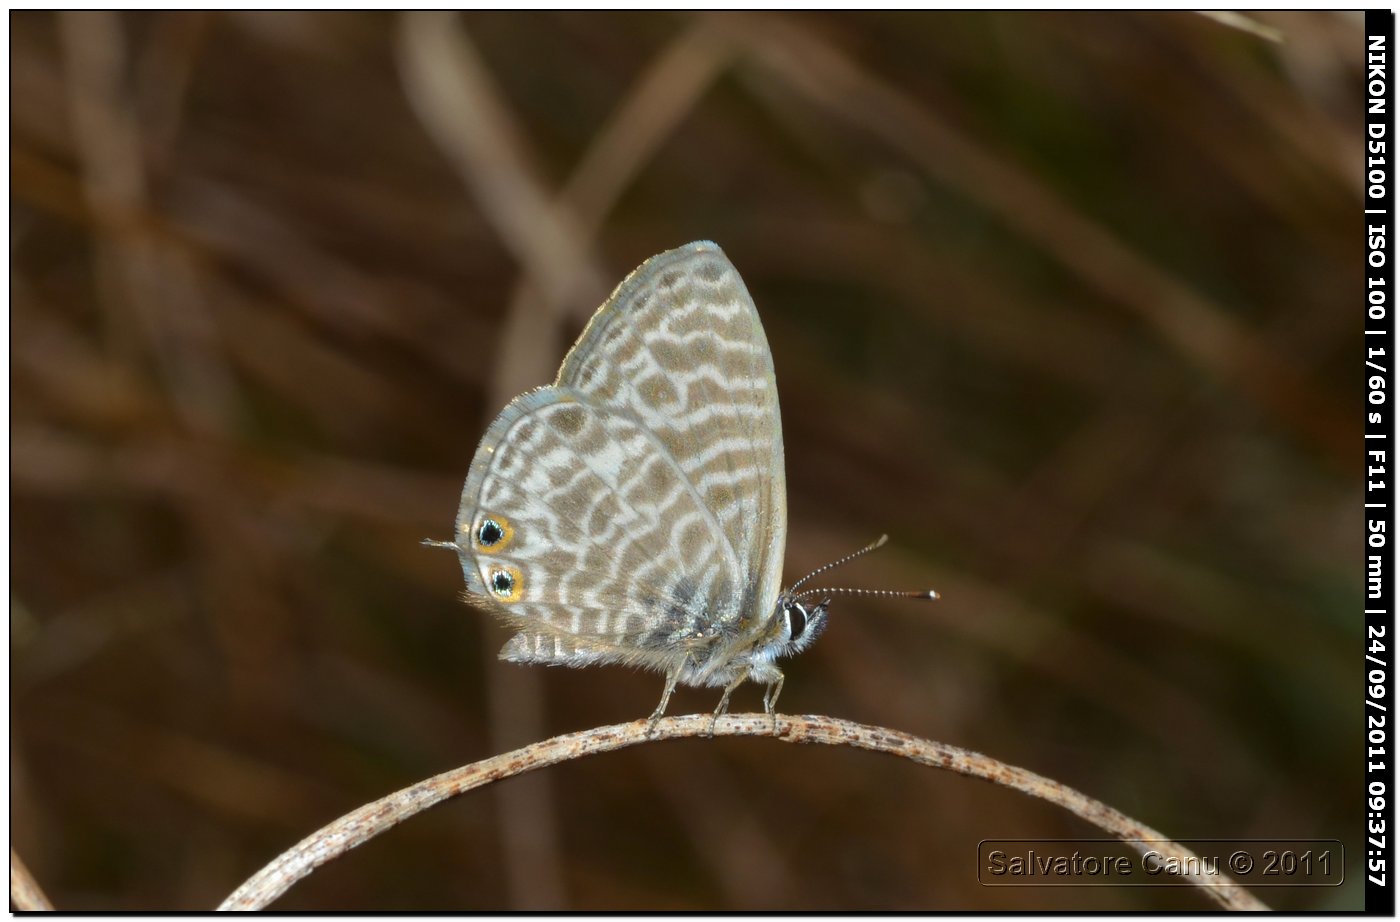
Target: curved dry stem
[[25, 893], [361, 825]]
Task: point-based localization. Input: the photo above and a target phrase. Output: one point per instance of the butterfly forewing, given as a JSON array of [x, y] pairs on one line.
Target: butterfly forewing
[[680, 346], [635, 510]]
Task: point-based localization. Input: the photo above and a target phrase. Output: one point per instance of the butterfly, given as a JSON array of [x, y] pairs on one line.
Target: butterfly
[[635, 511]]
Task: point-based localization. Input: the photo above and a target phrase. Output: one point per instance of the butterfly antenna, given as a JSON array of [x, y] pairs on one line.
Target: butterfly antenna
[[887, 593], [929, 594], [872, 546], [429, 542]]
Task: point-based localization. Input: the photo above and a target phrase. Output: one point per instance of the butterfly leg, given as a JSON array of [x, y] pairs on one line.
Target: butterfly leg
[[770, 697], [671, 678], [773, 676], [723, 706]]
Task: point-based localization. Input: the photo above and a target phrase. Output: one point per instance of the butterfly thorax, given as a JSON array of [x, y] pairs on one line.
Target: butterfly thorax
[[789, 629]]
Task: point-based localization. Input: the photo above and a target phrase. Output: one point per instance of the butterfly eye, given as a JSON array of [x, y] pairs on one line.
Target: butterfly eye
[[797, 621], [504, 583], [493, 534]]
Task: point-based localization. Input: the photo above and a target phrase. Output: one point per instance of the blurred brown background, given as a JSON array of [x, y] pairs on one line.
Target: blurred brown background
[[1066, 303]]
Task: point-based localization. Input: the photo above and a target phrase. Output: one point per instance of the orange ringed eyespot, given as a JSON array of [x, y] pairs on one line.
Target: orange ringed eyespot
[[505, 583], [492, 534]]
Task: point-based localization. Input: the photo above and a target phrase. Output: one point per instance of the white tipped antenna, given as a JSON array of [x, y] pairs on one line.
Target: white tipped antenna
[[928, 594], [887, 593]]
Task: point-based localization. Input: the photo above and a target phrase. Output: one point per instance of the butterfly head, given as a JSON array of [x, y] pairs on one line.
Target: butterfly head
[[799, 623]]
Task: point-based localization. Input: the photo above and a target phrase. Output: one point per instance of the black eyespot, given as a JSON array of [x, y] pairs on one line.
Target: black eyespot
[[502, 582], [797, 621], [490, 533]]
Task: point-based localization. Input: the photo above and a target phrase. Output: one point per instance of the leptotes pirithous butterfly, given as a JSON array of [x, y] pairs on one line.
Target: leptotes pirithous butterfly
[[635, 511]]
